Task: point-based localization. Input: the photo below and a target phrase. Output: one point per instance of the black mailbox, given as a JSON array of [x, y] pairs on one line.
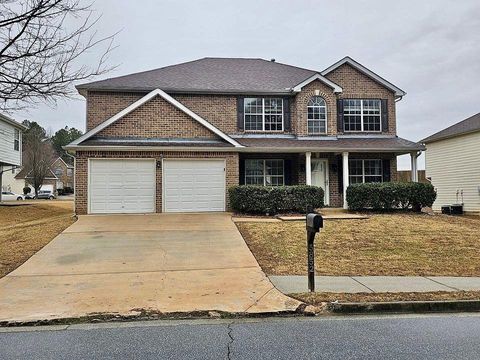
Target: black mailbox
[[314, 223]]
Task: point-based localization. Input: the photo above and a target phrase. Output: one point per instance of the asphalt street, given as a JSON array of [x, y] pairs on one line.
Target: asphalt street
[[446, 336]]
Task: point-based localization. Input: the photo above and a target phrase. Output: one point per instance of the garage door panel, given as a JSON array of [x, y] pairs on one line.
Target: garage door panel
[[122, 186], [194, 185]]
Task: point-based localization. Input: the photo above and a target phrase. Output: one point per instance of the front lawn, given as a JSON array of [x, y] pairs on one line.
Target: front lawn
[[391, 244], [26, 229]]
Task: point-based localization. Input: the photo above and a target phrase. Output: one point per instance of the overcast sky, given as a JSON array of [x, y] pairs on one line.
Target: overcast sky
[[430, 49]]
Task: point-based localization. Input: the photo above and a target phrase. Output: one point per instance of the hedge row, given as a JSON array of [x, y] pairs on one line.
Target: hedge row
[[390, 195], [275, 199]]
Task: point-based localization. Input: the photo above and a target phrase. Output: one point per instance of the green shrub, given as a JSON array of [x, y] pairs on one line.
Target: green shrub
[[26, 190], [275, 199], [390, 195]]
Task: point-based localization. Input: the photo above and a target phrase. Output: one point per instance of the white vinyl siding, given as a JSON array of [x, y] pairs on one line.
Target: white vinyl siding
[[454, 165], [121, 186], [8, 154], [193, 185]]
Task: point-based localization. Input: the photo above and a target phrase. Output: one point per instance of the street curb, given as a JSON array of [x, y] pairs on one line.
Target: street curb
[[145, 315], [404, 307]]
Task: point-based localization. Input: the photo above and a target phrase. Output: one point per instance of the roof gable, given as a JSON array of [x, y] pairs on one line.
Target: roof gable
[[348, 60], [143, 100], [317, 76]]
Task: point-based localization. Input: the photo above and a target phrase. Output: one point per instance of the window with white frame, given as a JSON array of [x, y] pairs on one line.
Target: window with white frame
[[264, 172], [317, 115], [16, 140], [362, 115], [263, 114], [365, 171]]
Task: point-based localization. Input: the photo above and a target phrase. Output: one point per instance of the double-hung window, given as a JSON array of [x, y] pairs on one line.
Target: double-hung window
[[16, 140], [362, 115], [263, 114], [365, 171], [317, 115], [264, 172]]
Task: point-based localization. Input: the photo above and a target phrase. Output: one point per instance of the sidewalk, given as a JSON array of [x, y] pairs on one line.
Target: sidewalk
[[372, 284]]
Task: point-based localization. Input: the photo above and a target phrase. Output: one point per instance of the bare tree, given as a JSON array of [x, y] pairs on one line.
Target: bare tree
[[42, 48], [38, 155]]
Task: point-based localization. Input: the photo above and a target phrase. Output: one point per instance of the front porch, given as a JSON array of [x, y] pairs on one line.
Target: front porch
[[323, 169]]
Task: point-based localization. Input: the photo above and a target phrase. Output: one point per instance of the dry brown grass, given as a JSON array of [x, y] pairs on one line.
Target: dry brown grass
[[318, 298], [26, 229], [392, 244]]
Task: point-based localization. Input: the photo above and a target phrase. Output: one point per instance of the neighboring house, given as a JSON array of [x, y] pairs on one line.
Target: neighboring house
[[61, 176], [49, 182], [176, 138], [64, 173], [453, 164], [10, 146]]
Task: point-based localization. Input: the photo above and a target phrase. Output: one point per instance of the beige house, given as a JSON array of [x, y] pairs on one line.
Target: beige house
[[174, 139], [453, 164]]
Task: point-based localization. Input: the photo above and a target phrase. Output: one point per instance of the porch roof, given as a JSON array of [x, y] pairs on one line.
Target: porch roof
[[337, 144]]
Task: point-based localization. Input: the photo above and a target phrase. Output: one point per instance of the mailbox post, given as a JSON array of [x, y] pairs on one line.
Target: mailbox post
[[314, 224]]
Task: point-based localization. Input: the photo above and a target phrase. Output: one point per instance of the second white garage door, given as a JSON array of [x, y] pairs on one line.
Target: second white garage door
[[193, 185]]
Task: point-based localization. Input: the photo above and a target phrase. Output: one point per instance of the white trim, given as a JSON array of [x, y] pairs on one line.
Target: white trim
[[143, 100], [263, 114], [399, 151], [308, 168], [362, 124], [317, 76], [348, 60], [265, 170], [326, 117], [195, 159], [346, 178], [129, 159], [327, 179], [60, 158]]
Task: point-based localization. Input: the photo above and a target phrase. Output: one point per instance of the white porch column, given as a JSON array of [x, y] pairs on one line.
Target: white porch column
[[308, 168], [346, 178], [413, 158]]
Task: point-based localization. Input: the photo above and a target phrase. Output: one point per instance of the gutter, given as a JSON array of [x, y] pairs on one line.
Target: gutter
[[236, 149]]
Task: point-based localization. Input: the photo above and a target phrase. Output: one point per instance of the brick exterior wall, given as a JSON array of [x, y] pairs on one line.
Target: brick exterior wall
[[221, 110], [103, 105], [81, 174], [357, 85], [157, 118], [299, 108]]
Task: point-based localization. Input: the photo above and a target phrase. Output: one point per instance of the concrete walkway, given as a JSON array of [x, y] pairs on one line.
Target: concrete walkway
[[371, 284], [121, 264]]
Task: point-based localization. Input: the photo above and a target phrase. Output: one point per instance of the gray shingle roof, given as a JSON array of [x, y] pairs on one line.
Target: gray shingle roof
[[466, 126], [394, 144], [226, 75]]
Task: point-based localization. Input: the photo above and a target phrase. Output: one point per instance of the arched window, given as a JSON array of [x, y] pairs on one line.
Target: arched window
[[317, 115]]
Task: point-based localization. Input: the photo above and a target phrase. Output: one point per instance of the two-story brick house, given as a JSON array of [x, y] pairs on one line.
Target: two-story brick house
[[176, 138]]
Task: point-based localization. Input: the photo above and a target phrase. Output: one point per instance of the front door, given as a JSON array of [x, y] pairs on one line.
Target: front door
[[320, 176]]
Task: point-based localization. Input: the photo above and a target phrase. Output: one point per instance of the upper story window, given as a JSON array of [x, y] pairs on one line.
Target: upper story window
[[58, 172], [317, 115], [264, 172], [16, 140], [365, 171], [362, 115], [263, 114]]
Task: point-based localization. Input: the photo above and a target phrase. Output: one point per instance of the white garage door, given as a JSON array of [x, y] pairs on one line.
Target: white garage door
[[121, 186], [193, 185]]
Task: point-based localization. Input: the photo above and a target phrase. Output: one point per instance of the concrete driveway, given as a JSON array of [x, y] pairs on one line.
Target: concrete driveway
[[121, 264]]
